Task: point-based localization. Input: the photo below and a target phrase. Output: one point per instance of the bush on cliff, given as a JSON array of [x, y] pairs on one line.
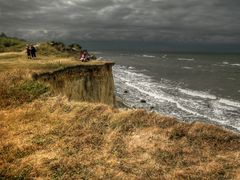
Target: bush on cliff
[[58, 49], [8, 44], [46, 49], [60, 46]]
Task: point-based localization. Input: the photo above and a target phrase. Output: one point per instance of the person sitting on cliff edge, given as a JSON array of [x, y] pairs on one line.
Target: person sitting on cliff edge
[[84, 56]]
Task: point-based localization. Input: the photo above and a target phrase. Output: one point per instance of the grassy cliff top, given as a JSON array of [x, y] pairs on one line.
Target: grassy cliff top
[[50, 55], [18, 60]]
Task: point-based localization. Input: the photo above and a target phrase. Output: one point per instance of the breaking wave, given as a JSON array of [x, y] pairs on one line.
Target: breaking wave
[[169, 98], [148, 56], [186, 59]]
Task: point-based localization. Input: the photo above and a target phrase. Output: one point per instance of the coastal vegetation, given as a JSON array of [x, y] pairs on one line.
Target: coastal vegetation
[[8, 44], [13, 44], [59, 49], [43, 135]]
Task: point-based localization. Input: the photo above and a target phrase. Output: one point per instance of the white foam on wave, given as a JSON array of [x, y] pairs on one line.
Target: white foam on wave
[[186, 59], [147, 89], [148, 56], [235, 64], [230, 102], [99, 58], [186, 67], [164, 56], [96, 52], [130, 67], [138, 77], [162, 99], [129, 75], [133, 75], [165, 98], [221, 107], [225, 62], [201, 94]]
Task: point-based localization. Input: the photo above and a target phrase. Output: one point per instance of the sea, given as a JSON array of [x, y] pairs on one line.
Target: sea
[[189, 86]]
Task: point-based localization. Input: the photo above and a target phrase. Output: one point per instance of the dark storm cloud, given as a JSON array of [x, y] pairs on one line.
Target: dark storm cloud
[[187, 21]]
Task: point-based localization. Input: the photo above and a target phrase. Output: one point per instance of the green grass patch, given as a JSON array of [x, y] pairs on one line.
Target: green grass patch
[[32, 88], [19, 93]]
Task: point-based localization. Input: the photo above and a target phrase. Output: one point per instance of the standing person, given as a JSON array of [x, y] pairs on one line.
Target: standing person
[[28, 51], [33, 51]]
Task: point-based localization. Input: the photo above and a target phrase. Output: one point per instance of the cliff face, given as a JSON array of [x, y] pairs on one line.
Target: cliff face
[[91, 83]]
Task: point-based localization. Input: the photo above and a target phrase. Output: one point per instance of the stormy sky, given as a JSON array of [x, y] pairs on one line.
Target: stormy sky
[[190, 24]]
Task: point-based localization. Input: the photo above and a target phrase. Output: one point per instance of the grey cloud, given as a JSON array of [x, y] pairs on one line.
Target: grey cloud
[[187, 21]]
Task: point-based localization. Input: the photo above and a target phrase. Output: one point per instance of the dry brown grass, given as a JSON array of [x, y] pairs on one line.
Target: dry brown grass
[[52, 138], [18, 60], [11, 61]]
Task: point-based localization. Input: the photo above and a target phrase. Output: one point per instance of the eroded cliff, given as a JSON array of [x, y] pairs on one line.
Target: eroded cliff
[[85, 82]]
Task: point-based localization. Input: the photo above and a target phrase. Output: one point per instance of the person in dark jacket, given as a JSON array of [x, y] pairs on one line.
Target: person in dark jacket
[[33, 51], [28, 51]]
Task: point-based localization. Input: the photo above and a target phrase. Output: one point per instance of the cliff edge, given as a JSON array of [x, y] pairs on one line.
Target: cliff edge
[[84, 82]]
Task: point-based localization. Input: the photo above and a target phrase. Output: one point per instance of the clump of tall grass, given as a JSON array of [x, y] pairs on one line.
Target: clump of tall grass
[[46, 49], [49, 49]]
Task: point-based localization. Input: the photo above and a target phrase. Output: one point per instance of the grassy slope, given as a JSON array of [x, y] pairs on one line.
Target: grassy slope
[[8, 44], [54, 138], [44, 136]]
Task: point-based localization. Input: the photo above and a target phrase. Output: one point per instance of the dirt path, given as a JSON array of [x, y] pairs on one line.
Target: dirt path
[[12, 53]]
